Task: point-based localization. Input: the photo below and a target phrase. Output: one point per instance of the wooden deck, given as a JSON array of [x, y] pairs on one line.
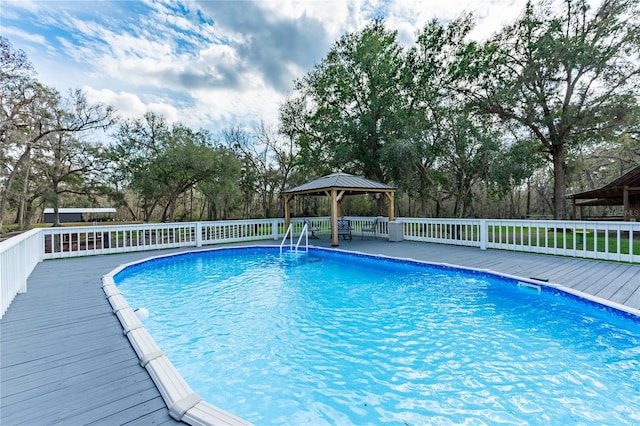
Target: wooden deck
[[65, 360], [64, 357]]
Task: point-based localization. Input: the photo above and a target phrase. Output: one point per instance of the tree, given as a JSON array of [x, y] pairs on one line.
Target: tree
[[253, 167], [470, 148], [350, 105], [414, 159], [512, 167], [568, 78], [284, 155], [221, 190], [65, 166], [159, 163], [30, 113], [137, 144]]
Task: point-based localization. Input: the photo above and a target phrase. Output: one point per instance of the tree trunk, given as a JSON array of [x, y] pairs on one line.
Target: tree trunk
[[528, 208], [559, 183], [56, 214], [211, 211], [512, 207], [9, 182], [25, 190], [133, 214]]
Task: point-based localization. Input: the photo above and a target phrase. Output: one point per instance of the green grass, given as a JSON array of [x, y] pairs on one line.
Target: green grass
[[548, 237]]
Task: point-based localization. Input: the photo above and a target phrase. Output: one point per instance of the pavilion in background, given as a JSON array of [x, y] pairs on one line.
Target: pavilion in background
[[336, 186]]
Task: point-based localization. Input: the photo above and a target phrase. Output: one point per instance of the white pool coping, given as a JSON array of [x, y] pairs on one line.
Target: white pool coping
[[183, 403]]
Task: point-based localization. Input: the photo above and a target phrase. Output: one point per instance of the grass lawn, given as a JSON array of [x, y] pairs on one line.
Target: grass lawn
[[558, 238]]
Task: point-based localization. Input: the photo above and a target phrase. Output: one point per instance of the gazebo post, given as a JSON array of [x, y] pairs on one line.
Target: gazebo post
[[390, 196], [287, 213], [625, 203], [334, 218], [624, 191]]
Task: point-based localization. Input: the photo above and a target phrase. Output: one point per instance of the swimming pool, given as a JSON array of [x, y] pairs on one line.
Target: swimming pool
[[337, 338]]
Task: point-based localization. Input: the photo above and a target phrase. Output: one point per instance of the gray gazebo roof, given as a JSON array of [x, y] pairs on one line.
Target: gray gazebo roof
[[342, 182], [336, 186]]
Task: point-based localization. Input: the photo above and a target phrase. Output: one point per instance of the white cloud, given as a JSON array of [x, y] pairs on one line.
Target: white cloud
[[167, 111], [410, 16], [30, 37], [28, 5], [129, 105], [253, 102], [338, 17]]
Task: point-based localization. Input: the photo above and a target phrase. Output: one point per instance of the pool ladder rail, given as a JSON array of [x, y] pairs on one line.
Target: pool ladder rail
[[304, 233]]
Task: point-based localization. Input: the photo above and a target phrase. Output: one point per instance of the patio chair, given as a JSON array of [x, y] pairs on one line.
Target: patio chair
[[312, 229], [344, 229], [373, 228]]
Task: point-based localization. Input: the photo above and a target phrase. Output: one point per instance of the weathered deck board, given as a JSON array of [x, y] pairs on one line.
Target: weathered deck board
[[65, 360]]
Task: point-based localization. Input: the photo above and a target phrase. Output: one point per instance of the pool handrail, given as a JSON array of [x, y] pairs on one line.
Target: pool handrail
[[287, 233], [305, 233]]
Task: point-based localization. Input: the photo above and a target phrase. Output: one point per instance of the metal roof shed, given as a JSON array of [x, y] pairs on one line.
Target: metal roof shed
[[623, 191], [74, 214], [336, 186]]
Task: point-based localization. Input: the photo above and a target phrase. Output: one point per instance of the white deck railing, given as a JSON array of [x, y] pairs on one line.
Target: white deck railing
[[19, 256], [595, 240], [591, 240]]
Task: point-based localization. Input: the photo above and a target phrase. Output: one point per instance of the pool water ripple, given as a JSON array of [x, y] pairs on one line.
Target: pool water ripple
[[350, 340]]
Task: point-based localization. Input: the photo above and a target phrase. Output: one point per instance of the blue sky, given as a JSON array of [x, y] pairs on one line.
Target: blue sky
[[210, 63]]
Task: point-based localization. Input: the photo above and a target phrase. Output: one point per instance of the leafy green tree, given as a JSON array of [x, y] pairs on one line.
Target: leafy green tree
[[513, 166], [350, 105], [65, 166], [568, 78], [160, 163], [221, 190], [470, 147], [137, 145], [414, 160], [188, 158]]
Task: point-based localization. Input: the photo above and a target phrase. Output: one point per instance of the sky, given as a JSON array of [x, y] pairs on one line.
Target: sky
[[210, 64]]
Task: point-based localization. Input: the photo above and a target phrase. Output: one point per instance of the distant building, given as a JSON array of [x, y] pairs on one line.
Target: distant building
[[624, 191], [78, 214]]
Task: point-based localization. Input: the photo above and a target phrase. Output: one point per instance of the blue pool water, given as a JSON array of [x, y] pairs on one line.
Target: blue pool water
[[335, 338]]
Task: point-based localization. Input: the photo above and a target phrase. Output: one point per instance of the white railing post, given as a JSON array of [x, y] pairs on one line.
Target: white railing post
[[23, 252], [40, 246], [198, 234], [274, 229], [484, 234]]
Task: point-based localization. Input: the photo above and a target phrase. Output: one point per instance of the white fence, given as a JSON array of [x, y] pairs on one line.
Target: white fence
[[591, 240], [93, 240], [595, 240], [18, 258]]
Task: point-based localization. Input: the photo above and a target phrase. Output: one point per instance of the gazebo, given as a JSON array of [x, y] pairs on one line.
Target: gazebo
[[624, 191], [336, 186]]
